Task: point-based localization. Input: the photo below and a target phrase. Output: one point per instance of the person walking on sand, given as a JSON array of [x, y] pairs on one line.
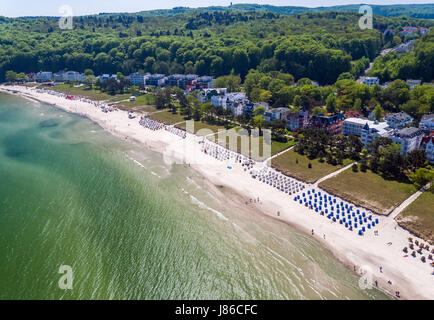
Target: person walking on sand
[[381, 269]]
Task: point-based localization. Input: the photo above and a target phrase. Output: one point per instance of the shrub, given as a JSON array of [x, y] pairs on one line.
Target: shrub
[[355, 168]]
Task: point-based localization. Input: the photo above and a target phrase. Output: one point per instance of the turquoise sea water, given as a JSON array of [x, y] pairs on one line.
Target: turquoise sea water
[[132, 228]]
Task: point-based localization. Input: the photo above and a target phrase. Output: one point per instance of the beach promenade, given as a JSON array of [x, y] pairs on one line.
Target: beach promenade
[[378, 254]]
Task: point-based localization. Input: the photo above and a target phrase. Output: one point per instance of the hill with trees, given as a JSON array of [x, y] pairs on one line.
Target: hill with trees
[[423, 11], [319, 46]]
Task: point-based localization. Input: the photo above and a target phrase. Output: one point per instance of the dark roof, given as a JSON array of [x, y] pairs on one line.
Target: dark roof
[[409, 131], [398, 116], [428, 117]]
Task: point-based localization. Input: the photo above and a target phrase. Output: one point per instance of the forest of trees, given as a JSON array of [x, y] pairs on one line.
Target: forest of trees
[[318, 46], [416, 64]]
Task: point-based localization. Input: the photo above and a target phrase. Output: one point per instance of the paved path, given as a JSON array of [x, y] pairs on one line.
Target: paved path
[[276, 155], [407, 202], [333, 174]]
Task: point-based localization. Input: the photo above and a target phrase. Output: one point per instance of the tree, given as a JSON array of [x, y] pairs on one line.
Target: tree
[[378, 113], [258, 122], [259, 111], [88, 72], [21, 77], [11, 76], [422, 176], [231, 82], [416, 159], [331, 103]]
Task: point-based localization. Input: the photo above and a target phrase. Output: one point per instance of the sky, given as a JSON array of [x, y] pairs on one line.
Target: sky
[[16, 8]]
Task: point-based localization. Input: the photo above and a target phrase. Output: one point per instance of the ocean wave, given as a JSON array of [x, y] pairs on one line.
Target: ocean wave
[[202, 205]]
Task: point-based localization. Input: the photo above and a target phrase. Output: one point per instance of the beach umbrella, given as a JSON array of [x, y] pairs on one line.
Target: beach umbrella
[[340, 221], [355, 225], [360, 233], [363, 228], [369, 226], [373, 223], [376, 221]]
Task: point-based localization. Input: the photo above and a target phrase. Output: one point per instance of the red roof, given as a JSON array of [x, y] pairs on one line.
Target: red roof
[[353, 114]]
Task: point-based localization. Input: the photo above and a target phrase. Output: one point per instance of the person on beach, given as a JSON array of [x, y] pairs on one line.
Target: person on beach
[[313, 232], [381, 269]]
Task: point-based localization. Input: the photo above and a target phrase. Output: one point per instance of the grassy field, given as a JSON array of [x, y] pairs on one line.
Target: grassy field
[[295, 165], [167, 117], [369, 190], [276, 147], [81, 91], [142, 103], [418, 217], [200, 125]]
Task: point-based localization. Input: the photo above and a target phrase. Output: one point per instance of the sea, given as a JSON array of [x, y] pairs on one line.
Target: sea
[[87, 215]]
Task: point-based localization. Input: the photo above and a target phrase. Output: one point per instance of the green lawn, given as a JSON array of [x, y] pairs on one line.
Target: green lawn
[[167, 117], [81, 91], [369, 190], [200, 125], [287, 163], [144, 101], [418, 217], [276, 147]]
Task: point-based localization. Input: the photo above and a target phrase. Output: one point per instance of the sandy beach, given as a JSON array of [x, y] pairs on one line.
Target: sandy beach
[[412, 278]]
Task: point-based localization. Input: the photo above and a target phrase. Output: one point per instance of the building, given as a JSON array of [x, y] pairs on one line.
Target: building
[[409, 30], [354, 126], [181, 81], [277, 114], [156, 80], [353, 114], [44, 76], [427, 122], [205, 82], [409, 139], [138, 79], [428, 145], [332, 124], [205, 95], [373, 130], [297, 120], [370, 81], [398, 120], [414, 83], [423, 30], [405, 47], [106, 76], [236, 102]]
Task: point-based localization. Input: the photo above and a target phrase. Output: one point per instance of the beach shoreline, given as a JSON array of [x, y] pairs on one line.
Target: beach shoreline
[[409, 275]]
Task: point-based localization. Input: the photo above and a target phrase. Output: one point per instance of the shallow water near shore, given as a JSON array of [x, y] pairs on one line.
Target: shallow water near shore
[[133, 228]]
